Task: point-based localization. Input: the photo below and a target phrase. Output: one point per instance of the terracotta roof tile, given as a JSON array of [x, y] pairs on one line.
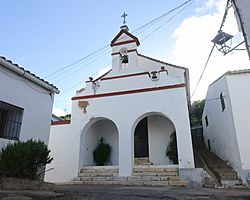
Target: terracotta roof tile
[[26, 71]]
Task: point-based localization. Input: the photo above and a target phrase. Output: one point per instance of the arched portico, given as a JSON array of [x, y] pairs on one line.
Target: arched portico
[[90, 137], [152, 133]]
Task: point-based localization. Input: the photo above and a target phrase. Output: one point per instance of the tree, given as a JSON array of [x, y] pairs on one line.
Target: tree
[[102, 153], [195, 113], [66, 117], [171, 151], [24, 159]]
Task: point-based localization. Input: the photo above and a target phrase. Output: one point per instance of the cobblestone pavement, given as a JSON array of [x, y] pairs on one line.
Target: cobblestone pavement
[[83, 192]]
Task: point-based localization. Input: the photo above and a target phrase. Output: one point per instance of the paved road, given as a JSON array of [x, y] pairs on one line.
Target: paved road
[[81, 192], [143, 192]]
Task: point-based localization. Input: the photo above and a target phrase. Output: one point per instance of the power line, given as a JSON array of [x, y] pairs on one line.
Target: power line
[[72, 65], [209, 56], [162, 16], [211, 51], [167, 21], [77, 84], [81, 59], [25, 81], [70, 68], [66, 76]]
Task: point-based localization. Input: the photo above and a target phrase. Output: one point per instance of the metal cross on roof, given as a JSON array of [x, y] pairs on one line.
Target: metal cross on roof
[[124, 15]]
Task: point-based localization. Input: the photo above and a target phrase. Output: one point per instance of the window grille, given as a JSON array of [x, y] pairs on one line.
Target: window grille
[[10, 121]]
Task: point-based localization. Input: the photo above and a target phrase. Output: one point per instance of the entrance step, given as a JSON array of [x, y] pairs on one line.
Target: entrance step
[[142, 175], [142, 161], [220, 170]]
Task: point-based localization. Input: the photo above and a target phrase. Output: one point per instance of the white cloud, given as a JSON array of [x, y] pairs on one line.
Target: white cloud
[[58, 112], [192, 47], [208, 5]]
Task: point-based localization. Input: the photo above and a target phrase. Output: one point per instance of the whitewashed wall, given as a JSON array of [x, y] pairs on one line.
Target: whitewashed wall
[[64, 146], [125, 111], [36, 102], [244, 7], [102, 128], [220, 130], [239, 86], [228, 131], [67, 140], [159, 131]]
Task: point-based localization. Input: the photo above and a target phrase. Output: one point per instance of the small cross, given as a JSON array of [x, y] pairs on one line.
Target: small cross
[[124, 15]]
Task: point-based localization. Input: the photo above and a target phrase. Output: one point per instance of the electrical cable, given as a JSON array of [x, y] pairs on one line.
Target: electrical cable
[[23, 80], [70, 68], [216, 98], [192, 1], [211, 51], [81, 59], [209, 56], [163, 15], [167, 21], [106, 46], [66, 76]]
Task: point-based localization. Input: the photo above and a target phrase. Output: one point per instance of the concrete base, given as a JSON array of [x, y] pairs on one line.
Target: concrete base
[[195, 176], [245, 177]]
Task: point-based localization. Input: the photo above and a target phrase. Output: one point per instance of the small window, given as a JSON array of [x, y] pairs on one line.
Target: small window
[[208, 145], [10, 121], [222, 102], [206, 120]]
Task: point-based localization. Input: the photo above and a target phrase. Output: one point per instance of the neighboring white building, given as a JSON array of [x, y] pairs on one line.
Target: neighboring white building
[[135, 107], [226, 119], [241, 8], [26, 103]]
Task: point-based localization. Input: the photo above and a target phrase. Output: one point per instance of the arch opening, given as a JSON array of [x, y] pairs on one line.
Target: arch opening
[[91, 135], [152, 135]]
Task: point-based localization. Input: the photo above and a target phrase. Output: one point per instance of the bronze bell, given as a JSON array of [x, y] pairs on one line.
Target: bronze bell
[[124, 58], [154, 74]]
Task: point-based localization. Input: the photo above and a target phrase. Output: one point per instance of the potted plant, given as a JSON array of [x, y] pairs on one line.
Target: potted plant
[[171, 151], [102, 153]]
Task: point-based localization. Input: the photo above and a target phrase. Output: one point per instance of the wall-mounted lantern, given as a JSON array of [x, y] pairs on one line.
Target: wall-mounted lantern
[[221, 40]]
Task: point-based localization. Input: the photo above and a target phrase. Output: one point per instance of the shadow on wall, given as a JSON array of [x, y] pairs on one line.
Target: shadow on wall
[[91, 136]]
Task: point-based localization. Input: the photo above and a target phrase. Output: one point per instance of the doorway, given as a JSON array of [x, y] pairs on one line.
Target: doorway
[[141, 139]]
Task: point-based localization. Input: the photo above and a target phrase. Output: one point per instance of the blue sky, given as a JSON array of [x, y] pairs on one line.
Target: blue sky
[[43, 36]]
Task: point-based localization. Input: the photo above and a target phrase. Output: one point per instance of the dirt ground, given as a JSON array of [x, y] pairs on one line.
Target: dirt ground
[[84, 192]]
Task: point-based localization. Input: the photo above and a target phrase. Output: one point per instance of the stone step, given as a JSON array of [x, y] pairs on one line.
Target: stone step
[[87, 174], [154, 169], [170, 174], [220, 168], [146, 159], [142, 175], [136, 178], [228, 176], [142, 161], [133, 182], [230, 183], [98, 170]]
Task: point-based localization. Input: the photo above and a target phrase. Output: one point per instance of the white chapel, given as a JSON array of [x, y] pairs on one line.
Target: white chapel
[[134, 107]]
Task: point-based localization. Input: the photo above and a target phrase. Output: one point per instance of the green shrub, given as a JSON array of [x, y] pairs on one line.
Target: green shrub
[[102, 153], [24, 159], [171, 151]]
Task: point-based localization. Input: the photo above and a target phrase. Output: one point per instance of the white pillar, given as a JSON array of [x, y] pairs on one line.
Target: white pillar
[[184, 144], [125, 150]]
